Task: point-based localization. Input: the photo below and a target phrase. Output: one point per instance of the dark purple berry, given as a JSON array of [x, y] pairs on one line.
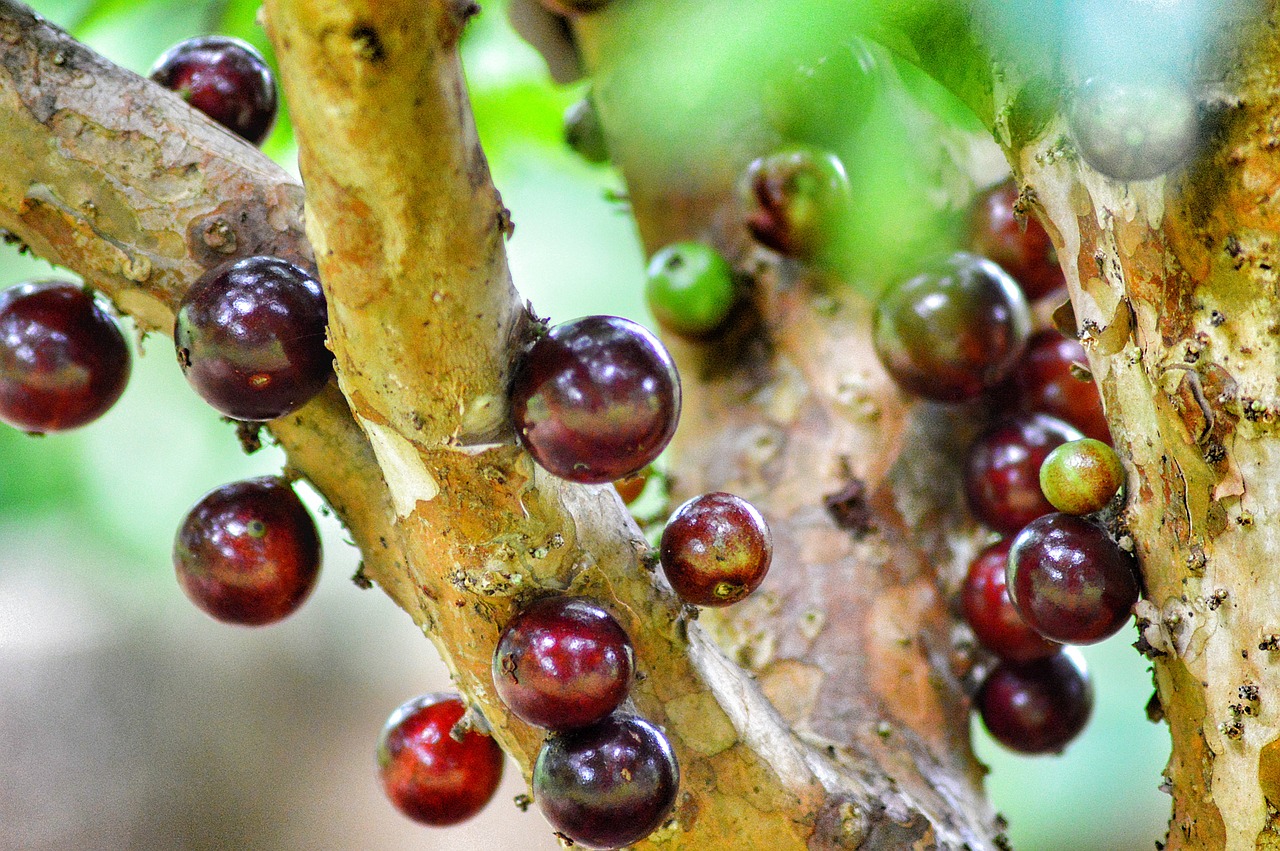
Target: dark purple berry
[[1002, 470], [563, 662], [226, 79], [952, 331], [1018, 244], [595, 399], [715, 549], [796, 201], [250, 338], [429, 775], [992, 615], [248, 552], [63, 360], [1044, 382], [607, 785], [1037, 707], [1070, 581]]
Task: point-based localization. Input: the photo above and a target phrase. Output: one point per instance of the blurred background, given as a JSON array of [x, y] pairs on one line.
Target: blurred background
[[130, 720]]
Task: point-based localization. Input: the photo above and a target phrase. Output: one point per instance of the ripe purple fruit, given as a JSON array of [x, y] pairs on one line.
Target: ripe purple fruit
[[1082, 476], [430, 776], [607, 785], [992, 615], [250, 338], [563, 662], [1020, 247], [226, 79], [1039, 706], [1070, 581], [796, 201], [63, 360], [952, 331], [1044, 383], [248, 552], [1002, 470], [595, 399], [715, 550]]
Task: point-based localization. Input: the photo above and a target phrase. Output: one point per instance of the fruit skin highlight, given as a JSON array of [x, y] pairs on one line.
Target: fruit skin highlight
[[225, 78], [248, 552], [607, 785], [563, 662], [952, 331], [63, 360], [250, 338], [428, 775], [715, 549], [595, 399], [1070, 581]]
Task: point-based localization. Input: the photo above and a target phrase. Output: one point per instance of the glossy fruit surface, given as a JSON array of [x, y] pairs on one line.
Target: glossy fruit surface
[[690, 288], [226, 79], [1070, 581], [430, 776], [583, 131], [1082, 476], [63, 360], [1043, 382], [563, 662], [1021, 248], [250, 338], [595, 399], [796, 200], [1037, 707], [1002, 470], [816, 100], [952, 331], [992, 615], [715, 550], [248, 552], [607, 785], [1134, 129]]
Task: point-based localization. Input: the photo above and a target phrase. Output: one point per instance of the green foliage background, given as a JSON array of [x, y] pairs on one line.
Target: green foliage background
[[123, 483]]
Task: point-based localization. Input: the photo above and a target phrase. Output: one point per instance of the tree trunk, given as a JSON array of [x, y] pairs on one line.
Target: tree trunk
[[830, 711]]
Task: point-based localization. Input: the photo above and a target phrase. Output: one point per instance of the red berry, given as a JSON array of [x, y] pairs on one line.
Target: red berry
[[1023, 249], [595, 399], [1070, 581], [429, 775], [796, 201], [250, 338], [1044, 383], [226, 79], [952, 331], [1037, 707], [992, 615], [1002, 470], [63, 360], [563, 662], [715, 550], [248, 552], [607, 785]]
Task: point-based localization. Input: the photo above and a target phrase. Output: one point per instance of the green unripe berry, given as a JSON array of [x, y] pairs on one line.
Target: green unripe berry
[[690, 288], [1081, 476]]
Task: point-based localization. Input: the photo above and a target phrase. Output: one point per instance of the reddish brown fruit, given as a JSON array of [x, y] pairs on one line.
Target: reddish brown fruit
[[1043, 382], [430, 776], [1021, 248], [1002, 470], [1037, 707], [715, 550], [992, 615]]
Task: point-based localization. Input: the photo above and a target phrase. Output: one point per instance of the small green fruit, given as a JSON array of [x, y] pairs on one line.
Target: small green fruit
[[690, 288], [1081, 476]]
